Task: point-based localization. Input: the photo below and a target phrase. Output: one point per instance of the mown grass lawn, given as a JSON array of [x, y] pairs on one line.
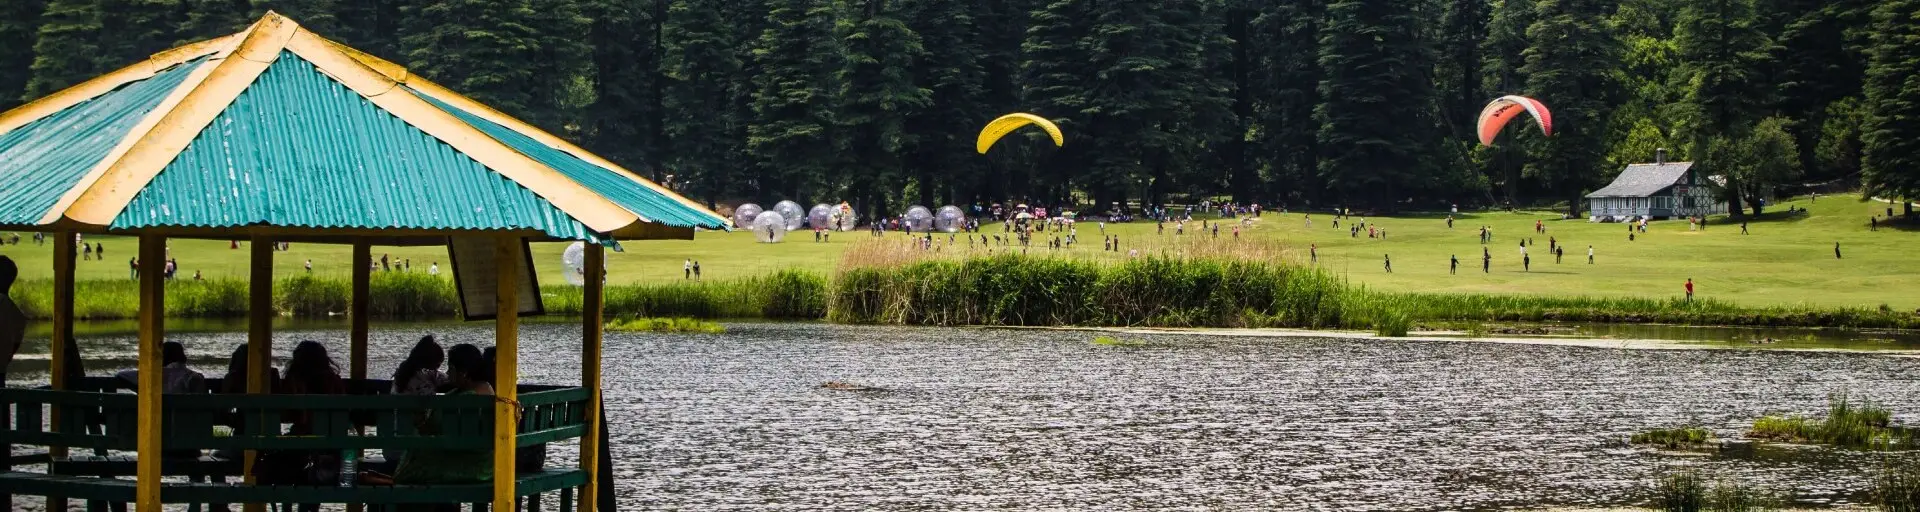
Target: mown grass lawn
[[1787, 259]]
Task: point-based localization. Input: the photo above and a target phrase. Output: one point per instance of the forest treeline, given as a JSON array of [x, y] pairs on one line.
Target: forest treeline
[[1364, 103]]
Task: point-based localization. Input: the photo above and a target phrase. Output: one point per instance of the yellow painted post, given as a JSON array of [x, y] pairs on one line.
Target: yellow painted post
[[506, 375], [62, 321], [153, 256], [357, 332], [259, 334], [591, 312], [62, 336]]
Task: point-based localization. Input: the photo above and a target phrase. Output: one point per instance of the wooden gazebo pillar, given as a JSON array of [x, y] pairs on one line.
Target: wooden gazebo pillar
[[63, 266], [592, 302], [153, 263], [506, 375], [357, 307], [259, 335]]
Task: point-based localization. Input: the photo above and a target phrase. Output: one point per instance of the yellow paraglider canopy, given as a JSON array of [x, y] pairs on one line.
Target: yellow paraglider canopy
[[1010, 122]]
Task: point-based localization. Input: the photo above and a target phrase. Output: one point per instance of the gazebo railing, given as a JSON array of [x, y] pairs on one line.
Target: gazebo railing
[[107, 421]]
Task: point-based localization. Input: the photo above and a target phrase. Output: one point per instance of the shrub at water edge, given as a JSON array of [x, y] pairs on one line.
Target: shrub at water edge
[[1864, 426]]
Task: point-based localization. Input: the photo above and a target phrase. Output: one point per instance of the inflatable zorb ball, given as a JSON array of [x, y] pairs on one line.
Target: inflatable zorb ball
[[820, 217], [845, 220], [950, 219], [743, 215], [918, 219], [769, 227], [792, 212]]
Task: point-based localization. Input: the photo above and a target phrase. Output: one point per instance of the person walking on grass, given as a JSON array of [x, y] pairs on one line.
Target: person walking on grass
[[1453, 264], [1836, 250], [686, 269], [696, 271], [1313, 253], [1743, 227], [1559, 251], [1389, 259], [1486, 261], [1589, 255], [1689, 289], [1526, 263]]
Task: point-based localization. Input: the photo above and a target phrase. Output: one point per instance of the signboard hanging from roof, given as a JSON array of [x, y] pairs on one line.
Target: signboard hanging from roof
[[476, 277]]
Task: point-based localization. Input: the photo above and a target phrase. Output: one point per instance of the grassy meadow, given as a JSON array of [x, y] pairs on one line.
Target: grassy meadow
[[1786, 260]]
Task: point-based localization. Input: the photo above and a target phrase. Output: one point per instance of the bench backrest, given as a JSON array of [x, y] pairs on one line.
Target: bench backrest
[[465, 422]]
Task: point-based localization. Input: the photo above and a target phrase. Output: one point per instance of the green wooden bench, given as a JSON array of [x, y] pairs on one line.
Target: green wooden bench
[[105, 422]]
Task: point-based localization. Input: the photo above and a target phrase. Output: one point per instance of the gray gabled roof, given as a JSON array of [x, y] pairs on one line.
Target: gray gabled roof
[[1642, 180]]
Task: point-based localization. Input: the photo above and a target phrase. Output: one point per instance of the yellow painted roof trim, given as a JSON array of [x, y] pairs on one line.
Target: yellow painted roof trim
[[590, 208], [90, 89], [400, 74], [104, 192]]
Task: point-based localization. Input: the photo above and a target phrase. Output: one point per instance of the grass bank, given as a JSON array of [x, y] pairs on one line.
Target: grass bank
[[1199, 287], [782, 295]]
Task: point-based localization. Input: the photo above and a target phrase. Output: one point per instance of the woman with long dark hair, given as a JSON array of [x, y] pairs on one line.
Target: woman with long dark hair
[[464, 364], [420, 373], [235, 382]]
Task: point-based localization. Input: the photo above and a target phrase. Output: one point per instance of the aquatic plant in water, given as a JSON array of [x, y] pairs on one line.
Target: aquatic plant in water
[[679, 325], [1897, 488], [1847, 425], [1687, 491], [1673, 439]]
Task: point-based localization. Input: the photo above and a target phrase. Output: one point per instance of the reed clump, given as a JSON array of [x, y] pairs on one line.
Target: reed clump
[[1674, 438], [674, 325], [1687, 491], [1847, 425], [1897, 488]]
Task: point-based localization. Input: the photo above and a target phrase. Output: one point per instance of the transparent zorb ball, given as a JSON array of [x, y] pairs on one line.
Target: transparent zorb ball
[[792, 212], [820, 216], [769, 227], [950, 219], [918, 219], [743, 215]]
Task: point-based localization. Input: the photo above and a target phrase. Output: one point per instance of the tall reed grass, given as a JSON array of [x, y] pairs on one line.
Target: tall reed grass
[[1849, 425], [1687, 491], [1897, 488]]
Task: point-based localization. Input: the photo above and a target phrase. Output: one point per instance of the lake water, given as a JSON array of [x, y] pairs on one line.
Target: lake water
[[1040, 419]]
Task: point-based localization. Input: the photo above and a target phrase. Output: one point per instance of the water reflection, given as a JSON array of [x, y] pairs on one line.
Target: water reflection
[[975, 418]]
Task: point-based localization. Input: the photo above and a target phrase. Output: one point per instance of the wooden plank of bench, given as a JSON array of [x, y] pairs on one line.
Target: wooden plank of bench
[[121, 465], [79, 487]]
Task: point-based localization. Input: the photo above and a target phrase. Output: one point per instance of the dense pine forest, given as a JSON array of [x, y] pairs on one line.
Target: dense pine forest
[[1305, 103]]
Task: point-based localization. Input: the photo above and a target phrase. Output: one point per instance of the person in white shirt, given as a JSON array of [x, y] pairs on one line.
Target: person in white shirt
[[434, 269], [175, 377]]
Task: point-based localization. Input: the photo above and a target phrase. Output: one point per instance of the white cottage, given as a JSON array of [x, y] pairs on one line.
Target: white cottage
[[1658, 190]]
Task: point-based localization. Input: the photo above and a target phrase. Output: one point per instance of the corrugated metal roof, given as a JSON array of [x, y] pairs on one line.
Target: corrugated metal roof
[[44, 159], [1641, 180], [299, 149], [635, 197]]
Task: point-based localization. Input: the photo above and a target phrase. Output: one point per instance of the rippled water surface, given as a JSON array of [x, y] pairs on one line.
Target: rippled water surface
[[978, 418]]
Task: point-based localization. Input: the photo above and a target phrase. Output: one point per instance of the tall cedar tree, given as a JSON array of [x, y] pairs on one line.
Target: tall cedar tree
[[877, 94], [624, 119], [19, 27], [1891, 159], [561, 69], [65, 51], [1199, 109], [1503, 59], [371, 26], [207, 19], [1817, 65], [481, 48], [1287, 91], [790, 132], [320, 16], [1376, 129], [1056, 84], [1237, 56], [133, 30], [1002, 27], [1463, 29], [1570, 66], [699, 59], [1724, 52], [940, 135]]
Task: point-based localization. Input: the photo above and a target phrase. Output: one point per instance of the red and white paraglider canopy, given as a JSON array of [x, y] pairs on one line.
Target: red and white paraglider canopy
[[1503, 109]]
